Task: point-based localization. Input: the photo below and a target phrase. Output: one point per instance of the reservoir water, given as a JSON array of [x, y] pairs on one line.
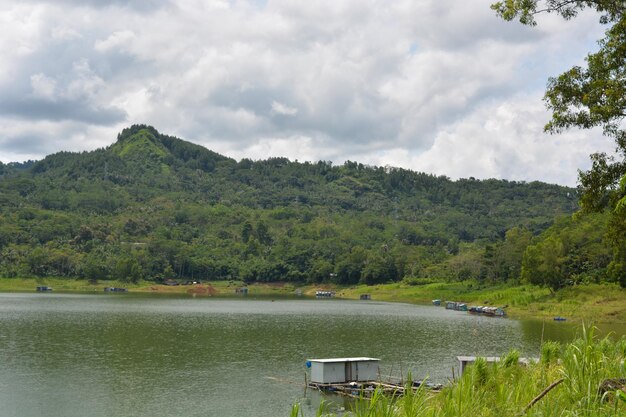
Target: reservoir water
[[68, 355]]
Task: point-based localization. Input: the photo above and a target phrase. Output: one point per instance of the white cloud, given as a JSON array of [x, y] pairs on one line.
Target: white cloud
[[435, 85], [504, 140], [85, 83], [117, 40], [283, 109], [64, 33], [43, 86]]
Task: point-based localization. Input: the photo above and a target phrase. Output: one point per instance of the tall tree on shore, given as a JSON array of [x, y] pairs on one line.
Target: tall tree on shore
[[591, 96]]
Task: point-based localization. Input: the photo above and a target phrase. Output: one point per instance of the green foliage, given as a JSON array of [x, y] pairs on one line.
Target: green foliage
[[591, 96], [154, 206], [550, 352], [525, 10], [572, 250]]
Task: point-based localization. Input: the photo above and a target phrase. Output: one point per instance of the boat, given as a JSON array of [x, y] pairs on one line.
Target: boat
[[44, 288], [436, 302], [324, 294], [455, 305], [488, 311], [559, 318], [114, 289]]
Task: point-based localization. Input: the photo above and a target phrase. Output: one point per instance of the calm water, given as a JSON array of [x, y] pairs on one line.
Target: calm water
[[125, 355]]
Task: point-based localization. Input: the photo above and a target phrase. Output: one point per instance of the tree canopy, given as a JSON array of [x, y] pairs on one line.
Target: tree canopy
[[156, 207], [587, 97]]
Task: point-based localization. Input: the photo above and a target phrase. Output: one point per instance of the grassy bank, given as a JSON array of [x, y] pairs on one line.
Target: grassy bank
[[599, 303], [591, 302], [571, 377], [213, 288]]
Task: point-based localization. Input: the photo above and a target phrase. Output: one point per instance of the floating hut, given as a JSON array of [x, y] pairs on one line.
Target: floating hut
[[357, 378], [468, 360], [114, 289], [343, 370], [455, 305]]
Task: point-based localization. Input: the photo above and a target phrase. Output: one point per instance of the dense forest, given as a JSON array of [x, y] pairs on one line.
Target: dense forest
[[154, 207]]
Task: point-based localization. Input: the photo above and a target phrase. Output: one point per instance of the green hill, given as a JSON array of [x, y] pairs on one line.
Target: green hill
[[155, 206]]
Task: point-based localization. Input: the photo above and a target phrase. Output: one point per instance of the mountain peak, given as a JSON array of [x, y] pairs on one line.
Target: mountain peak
[[140, 140]]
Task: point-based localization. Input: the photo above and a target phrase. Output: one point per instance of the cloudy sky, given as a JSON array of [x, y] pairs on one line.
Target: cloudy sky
[[440, 86]]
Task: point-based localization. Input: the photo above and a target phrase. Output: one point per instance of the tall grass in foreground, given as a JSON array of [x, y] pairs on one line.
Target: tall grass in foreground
[[575, 372]]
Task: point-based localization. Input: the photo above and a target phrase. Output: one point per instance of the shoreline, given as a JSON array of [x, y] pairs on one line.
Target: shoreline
[[600, 303]]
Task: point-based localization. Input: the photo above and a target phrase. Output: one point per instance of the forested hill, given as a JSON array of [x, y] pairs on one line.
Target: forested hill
[[154, 206]]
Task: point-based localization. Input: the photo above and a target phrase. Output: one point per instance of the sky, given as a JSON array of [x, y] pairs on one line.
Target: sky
[[437, 86]]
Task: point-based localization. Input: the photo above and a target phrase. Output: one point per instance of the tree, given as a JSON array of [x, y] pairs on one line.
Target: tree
[[511, 253], [616, 233], [127, 269], [246, 232], [263, 234], [588, 97], [542, 264]]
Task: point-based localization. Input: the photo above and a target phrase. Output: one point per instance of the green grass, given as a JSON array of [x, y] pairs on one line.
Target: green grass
[[80, 285], [602, 303]]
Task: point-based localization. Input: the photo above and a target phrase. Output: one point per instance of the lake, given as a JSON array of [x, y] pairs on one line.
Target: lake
[[99, 355]]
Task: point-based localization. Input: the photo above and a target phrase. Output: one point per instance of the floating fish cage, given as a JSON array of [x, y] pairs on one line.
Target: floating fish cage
[[355, 377]]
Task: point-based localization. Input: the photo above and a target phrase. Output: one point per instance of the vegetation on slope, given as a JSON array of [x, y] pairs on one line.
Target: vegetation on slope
[[155, 207]]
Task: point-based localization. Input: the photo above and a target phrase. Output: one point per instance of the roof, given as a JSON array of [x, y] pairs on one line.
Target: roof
[[344, 360]]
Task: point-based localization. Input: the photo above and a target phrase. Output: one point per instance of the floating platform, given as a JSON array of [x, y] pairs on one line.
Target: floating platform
[[356, 377], [324, 294], [115, 289], [468, 360], [365, 389]]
